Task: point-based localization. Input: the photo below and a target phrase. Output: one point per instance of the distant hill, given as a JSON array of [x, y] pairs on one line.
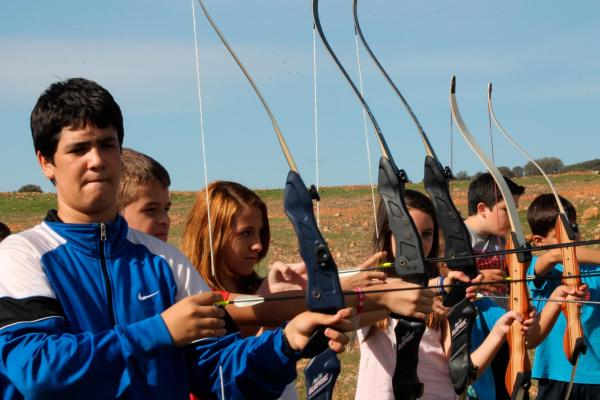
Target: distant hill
[[591, 165]]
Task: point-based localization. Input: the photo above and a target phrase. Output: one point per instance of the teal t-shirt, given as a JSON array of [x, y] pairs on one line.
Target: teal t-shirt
[[488, 313], [550, 361]]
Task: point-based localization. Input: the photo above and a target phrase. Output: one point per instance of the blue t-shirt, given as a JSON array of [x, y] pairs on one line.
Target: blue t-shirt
[[488, 313], [550, 361]]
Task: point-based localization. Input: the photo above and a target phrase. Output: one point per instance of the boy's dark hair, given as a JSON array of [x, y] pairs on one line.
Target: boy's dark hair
[[543, 212], [138, 169], [74, 103], [483, 189], [4, 231]]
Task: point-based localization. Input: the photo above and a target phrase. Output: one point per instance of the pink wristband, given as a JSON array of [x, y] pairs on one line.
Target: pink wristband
[[360, 300]]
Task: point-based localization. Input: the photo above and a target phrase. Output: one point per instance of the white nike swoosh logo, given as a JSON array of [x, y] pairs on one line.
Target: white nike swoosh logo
[[146, 297]]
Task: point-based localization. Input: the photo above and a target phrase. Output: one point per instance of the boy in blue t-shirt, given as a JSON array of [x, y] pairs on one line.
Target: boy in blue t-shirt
[[536, 329], [551, 367]]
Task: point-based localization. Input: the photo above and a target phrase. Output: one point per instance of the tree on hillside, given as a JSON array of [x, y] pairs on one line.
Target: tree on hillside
[[506, 171], [591, 165], [550, 165], [462, 176], [518, 172], [29, 188]]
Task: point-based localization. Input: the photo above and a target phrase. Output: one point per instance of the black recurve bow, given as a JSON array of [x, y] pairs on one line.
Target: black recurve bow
[[518, 372], [324, 292], [409, 263]]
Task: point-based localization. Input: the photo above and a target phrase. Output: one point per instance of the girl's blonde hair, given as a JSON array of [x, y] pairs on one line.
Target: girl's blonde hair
[[226, 199]]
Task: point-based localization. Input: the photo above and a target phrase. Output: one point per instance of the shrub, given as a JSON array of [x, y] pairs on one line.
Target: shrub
[[29, 188]]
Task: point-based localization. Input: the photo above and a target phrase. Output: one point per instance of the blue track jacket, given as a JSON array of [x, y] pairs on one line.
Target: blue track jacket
[[80, 318]]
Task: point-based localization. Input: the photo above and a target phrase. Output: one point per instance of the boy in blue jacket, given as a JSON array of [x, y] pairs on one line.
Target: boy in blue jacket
[[91, 309]]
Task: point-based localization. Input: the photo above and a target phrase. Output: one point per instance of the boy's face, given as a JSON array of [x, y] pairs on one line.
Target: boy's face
[[497, 221], [86, 169], [150, 212], [550, 238]]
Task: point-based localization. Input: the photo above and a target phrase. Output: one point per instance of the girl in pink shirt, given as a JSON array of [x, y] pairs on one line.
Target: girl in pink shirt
[[377, 340]]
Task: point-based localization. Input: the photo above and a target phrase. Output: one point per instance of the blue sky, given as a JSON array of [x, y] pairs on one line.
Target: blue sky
[[542, 57]]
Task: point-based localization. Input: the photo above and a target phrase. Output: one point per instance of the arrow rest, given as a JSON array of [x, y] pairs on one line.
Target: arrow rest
[[314, 193], [448, 173], [570, 229], [403, 176], [524, 256]]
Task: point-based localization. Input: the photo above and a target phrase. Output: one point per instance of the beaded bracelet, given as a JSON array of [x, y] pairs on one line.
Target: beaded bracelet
[[441, 289], [360, 300]]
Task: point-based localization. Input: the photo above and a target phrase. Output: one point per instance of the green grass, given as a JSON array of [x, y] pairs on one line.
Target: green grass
[[23, 210]]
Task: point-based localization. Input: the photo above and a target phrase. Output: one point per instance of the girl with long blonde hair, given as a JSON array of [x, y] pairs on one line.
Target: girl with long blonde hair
[[240, 236]]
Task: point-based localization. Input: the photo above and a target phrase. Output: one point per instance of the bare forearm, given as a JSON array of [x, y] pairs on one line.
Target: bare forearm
[[548, 318], [545, 263], [369, 318], [273, 313], [485, 353], [269, 313], [588, 256], [402, 298]]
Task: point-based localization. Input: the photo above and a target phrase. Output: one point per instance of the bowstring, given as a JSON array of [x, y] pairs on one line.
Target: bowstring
[[205, 165], [316, 121], [498, 239], [366, 133], [203, 139], [451, 143]]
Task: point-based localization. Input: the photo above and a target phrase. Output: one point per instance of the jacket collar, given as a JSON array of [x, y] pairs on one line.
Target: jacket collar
[[87, 237]]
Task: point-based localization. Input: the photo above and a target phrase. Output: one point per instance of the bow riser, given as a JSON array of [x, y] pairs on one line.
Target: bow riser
[[326, 293], [574, 343], [321, 374], [409, 266], [518, 375], [461, 319], [457, 243], [409, 261]]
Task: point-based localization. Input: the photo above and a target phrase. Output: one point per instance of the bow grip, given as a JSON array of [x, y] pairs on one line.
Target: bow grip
[[405, 381], [573, 342], [522, 385], [320, 375], [461, 319], [317, 343], [409, 263]]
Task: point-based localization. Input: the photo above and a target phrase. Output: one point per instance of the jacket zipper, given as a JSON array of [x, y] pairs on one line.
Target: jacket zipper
[[105, 274]]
